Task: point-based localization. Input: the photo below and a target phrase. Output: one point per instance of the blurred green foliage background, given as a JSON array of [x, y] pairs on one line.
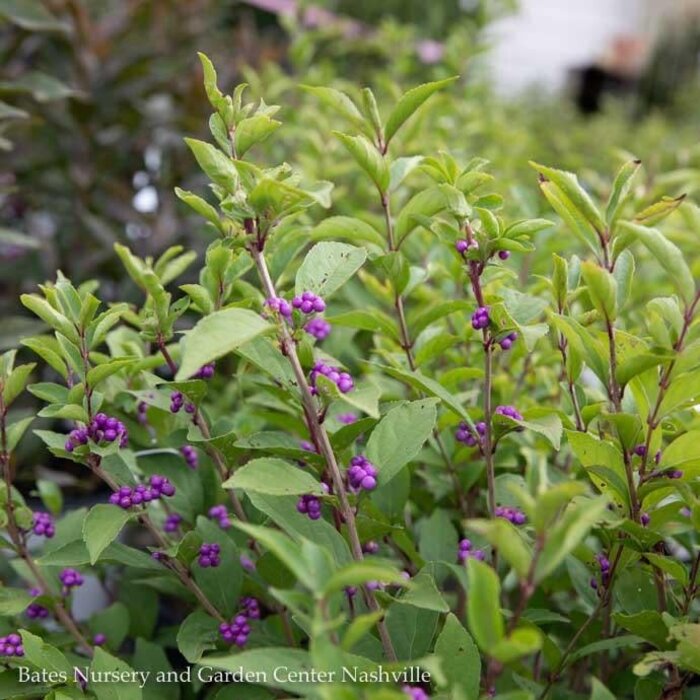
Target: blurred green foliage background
[[96, 95]]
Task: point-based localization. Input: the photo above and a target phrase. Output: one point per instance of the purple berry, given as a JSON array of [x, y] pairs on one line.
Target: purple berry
[[504, 254], [644, 519], [514, 515], [99, 639], [44, 525], [640, 450], [190, 455], [362, 474], [172, 522], [319, 328], [70, 578], [209, 555], [480, 318], [462, 246], [509, 411]]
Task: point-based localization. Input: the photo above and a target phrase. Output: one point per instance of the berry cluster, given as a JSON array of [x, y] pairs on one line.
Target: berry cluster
[[209, 555], [281, 306], [362, 474], [172, 522], [43, 525], [641, 451], [466, 552], [514, 515], [309, 303], [509, 411], [35, 611], [101, 429], [341, 379], [250, 607], [507, 342], [126, 496], [604, 564], [319, 328], [177, 401], [70, 578], [309, 505], [466, 435], [480, 318], [190, 456], [11, 645], [221, 514], [205, 371], [415, 693], [237, 631]]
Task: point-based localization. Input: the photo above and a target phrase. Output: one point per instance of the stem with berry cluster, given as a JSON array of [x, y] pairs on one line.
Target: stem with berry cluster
[[317, 430], [20, 545]]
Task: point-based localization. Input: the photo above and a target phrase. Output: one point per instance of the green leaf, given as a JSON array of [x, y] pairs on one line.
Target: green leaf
[[684, 388], [13, 601], [283, 547], [16, 430], [342, 104], [647, 624], [266, 662], [424, 593], [197, 634], [399, 436], [201, 206], [368, 158], [658, 211], [49, 315], [104, 663], [571, 216], [426, 203], [522, 641], [431, 387], [216, 165], [599, 691], [43, 655], [483, 605], [31, 15], [347, 228], [602, 289], [327, 267], [100, 372], [253, 130], [102, 526], [620, 190], [668, 255], [544, 422], [374, 320], [360, 572], [459, 659], [274, 477], [217, 335], [568, 532], [410, 102], [222, 584], [16, 382], [504, 537], [113, 622], [569, 185]]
